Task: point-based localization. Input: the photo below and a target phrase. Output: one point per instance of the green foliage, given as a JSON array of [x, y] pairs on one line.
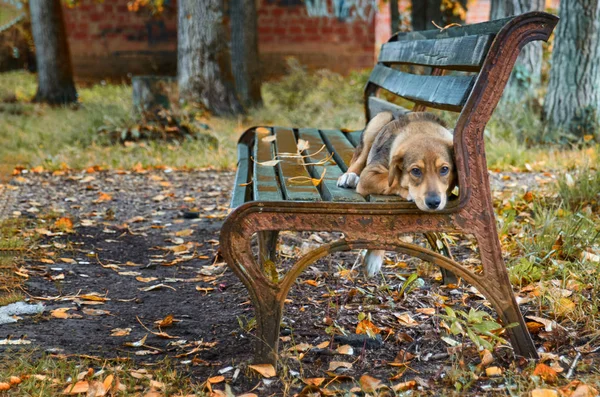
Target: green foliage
[[321, 99], [581, 190], [476, 325]]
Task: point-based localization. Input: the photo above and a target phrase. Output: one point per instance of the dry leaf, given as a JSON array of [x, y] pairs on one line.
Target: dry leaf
[[184, 233], [406, 320], [345, 349], [486, 358], [120, 331], [564, 306], [61, 313], [403, 386], [266, 370], [270, 163], [80, 387], [4, 386], [216, 379], [269, 138], [314, 381], [102, 197], [14, 380], [333, 365], [139, 343], [157, 286], [165, 322], [367, 327], [368, 384], [546, 373], [493, 371], [64, 224], [301, 347]]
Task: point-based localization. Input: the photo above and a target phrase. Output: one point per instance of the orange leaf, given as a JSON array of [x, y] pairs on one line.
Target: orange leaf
[[366, 327], [546, 373], [368, 384], [266, 370], [80, 387], [64, 224], [4, 386]]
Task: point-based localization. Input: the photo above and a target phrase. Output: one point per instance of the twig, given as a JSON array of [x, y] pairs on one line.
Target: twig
[[573, 365]]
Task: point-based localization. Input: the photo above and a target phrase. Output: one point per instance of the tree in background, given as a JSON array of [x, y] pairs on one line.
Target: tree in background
[[54, 70], [428, 13], [203, 60], [244, 51], [573, 96], [526, 77]]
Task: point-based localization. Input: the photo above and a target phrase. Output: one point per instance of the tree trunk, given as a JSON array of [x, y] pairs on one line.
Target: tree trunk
[[526, 77], [394, 15], [203, 60], [54, 71], [573, 96], [244, 51], [423, 12]]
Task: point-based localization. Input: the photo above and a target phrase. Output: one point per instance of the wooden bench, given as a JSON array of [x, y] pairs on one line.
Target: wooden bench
[[267, 198]]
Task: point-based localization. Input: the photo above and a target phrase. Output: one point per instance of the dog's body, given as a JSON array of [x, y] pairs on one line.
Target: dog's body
[[411, 156]]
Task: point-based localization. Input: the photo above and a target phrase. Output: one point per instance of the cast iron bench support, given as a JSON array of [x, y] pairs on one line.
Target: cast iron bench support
[[266, 200]]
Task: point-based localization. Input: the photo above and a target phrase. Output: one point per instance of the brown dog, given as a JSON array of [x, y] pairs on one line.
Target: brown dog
[[411, 156]]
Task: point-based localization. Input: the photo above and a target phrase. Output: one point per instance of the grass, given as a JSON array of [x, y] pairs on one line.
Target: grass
[[58, 137]]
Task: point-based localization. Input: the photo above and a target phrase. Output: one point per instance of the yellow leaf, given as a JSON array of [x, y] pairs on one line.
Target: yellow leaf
[[493, 371], [184, 233], [587, 138], [403, 386], [564, 306], [61, 312], [91, 297], [64, 224], [345, 349], [266, 370]]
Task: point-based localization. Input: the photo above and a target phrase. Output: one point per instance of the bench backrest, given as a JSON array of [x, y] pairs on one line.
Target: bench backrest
[[469, 49]]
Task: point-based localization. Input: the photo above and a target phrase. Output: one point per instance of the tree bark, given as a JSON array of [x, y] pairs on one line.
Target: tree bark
[[394, 15], [244, 51], [203, 60], [573, 96], [423, 12], [54, 71], [526, 77]]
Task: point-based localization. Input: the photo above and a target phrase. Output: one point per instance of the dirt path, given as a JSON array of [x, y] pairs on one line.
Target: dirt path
[[143, 246]]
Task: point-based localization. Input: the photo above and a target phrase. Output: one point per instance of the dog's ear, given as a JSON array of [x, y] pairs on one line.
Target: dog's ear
[[395, 171]]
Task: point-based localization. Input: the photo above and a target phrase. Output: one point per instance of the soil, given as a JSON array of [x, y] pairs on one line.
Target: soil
[[134, 230]]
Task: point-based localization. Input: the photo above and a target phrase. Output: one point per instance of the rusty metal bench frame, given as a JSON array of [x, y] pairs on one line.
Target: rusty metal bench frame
[[377, 225]]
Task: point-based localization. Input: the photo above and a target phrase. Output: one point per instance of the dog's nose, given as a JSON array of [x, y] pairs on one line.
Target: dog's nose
[[433, 201]]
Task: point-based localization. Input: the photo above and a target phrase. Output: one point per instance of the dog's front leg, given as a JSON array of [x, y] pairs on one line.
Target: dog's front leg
[[372, 262]]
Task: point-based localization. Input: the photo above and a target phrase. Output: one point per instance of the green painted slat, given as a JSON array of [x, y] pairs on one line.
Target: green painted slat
[[378, 105], [291, 167], [380, 198], [340, 146], [241, 189], [441, 92], [456, 53], [265, 186], [490, 27], [329, 188], [354, 137]]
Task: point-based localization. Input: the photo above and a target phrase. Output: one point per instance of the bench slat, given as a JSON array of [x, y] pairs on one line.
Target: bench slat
[[441, 92], [456, 53], [340, 146], [265, 186], [490, 27], [291, 167], [241, 188], [354, 137], [378, 105], [329, 188]]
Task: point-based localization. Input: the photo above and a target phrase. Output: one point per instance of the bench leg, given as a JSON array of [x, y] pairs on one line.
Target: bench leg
[[500, 291], [268, 310], [434, 240]]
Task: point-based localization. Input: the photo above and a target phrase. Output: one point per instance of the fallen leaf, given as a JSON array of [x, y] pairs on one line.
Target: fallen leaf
[[403, 386], [546, 373], [345, 349], [64, 223], [184, 233], [314, 381], [266, 370], [300, 347], [80, 387], [146, 279], [564, 306], [139, 343], [61, 313], [4, 386], [102, 197], [14, 380], [157, 286], [493, 371], [216, 379], [165, 322], [368, 384], [333, 365], [120, 331]]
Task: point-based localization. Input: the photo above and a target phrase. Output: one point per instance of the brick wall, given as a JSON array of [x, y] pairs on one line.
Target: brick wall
[[108, 41], [319, 38]]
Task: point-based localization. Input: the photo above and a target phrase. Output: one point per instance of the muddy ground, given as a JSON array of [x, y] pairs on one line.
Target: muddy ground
[[134, 230]]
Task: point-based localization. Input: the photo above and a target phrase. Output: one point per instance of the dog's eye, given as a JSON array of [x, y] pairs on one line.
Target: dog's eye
[[444, 170], [416, 172]]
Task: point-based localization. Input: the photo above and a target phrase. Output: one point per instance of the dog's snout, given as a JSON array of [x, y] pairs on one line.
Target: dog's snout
[[433, 201]]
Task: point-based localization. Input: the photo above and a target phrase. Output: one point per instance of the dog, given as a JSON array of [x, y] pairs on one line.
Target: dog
[[410, 156]]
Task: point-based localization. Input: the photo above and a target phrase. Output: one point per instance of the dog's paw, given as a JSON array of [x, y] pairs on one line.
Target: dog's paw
[[348, 180], [372, 262]]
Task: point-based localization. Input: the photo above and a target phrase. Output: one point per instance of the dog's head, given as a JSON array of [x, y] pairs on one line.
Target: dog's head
[[422, 161]]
